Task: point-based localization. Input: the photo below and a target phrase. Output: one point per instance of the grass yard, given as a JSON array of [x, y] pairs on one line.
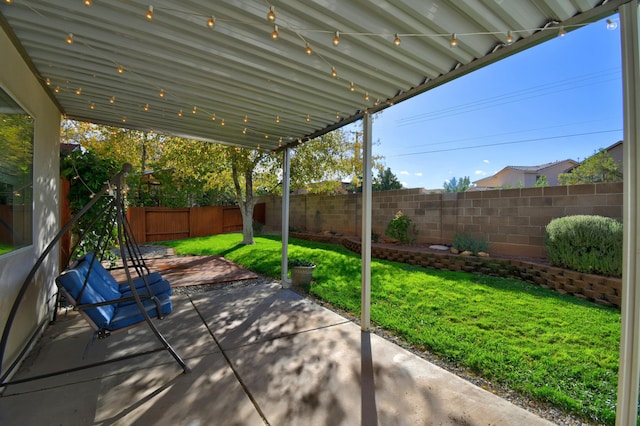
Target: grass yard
[[552, 347]]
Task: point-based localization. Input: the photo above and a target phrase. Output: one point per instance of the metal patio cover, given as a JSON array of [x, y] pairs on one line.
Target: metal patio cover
[[212, 70]]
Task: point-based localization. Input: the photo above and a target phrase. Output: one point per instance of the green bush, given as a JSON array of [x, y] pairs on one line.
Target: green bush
[[401, 228], [591, 244], [466, 242]]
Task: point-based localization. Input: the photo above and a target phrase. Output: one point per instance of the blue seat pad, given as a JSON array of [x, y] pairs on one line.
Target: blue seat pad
[[128, 314]]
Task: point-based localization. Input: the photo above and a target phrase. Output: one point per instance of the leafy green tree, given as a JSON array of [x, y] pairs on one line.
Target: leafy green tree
[[386, 180], [600, 167], [541, 182], [457, 185]]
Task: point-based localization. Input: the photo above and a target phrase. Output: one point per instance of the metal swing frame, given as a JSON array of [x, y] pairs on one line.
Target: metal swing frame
[[131, 259]]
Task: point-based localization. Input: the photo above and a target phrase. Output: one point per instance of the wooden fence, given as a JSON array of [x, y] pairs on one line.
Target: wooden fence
[[151, 224]]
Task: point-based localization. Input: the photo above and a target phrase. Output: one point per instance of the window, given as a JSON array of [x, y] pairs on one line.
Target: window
[[16, 175]]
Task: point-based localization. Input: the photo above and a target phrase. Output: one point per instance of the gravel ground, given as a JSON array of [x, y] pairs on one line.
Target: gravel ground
[[546, 411]]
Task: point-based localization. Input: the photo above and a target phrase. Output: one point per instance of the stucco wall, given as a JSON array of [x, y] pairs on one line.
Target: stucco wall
[[18, 81], [512, 221]]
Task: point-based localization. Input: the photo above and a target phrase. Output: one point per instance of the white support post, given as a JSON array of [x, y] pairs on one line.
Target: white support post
[[628, 373], [365, 320], [286, 162]]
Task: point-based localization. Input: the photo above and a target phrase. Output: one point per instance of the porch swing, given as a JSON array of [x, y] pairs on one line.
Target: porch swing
[[108, 306]]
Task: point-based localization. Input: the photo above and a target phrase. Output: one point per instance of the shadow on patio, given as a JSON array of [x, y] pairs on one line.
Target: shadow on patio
[[259, 354]]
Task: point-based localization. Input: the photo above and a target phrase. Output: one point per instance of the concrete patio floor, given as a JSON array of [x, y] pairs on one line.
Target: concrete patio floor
[[259, 354]]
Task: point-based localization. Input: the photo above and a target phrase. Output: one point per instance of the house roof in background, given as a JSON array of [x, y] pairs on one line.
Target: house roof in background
[[107, 63]]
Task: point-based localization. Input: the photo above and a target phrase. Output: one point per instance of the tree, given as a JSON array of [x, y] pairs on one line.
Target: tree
[[386, 180], [457, 185], [600, 167], [541, 182]]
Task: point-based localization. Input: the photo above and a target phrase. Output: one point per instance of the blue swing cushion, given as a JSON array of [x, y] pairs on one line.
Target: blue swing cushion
[[102, 287]]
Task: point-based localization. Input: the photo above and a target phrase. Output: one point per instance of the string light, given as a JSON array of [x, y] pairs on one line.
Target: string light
[[562, 32], [222, 122], [213, 117], [245, 119], [274, 34], [211, 22], [112, 100], [279, 142], [509, 37], [120, 69], [88, 3], [57, 89], [337, 115], [92, 106], [161, 94], [271, 16], [146, 107], [149, 14], [611, 25], [352, 87], [308, 49], [8, 1], [366, 96], [69, 38], [308, 119], [277, 118], [180, 113], [334, 73], [194, 110], [396, 40], [244, 131], [454, 40], [124, 119], [48, 81], [78, 91], [336, 38]]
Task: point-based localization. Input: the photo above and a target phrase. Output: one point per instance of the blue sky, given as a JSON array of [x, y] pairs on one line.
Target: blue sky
[[561, 99]]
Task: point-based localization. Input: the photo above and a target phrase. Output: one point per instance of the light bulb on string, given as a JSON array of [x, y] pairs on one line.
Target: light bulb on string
[[509, 37], [337, 115], [88, 3], [194, 110], [161, 93], [336, 38], [245, 119], [352, 87], [611, 25], [222, 122], [92, 106], [277, 118], [274, 33], [211, 22], [213, 117], [149, 14], [244, 131], [124, 119], [334, 73], [454, 40], [48, 81], [180, 113], [78, 91], [562, 32], [271, 15], [396, 40], [366, 96], [308, 118], [112, 100], [69, 38], [308, 49], [146, 107], [120, 69]]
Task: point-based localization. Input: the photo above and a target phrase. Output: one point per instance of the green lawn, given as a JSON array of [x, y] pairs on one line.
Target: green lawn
[[552, 347]]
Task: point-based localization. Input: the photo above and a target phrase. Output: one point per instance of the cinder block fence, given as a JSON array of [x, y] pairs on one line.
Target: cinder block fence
[[512, 221]]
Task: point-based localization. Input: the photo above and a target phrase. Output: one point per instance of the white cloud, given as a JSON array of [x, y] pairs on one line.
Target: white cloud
[[485, 161], [480, 173], [418, 174], [404, 172]]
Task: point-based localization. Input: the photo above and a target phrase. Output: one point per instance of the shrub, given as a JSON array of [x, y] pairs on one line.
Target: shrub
[[401, 228], [466, 242], [591, 244]]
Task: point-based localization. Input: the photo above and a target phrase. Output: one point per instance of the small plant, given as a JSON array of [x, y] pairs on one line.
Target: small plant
[[401, 228], [301, 262], [466, 242], [584, 243]]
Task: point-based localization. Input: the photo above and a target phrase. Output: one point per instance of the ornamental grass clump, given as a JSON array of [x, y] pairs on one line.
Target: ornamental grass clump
[[590, 244]]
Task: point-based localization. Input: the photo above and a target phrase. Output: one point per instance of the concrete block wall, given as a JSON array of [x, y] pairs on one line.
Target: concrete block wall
[[512, 221]]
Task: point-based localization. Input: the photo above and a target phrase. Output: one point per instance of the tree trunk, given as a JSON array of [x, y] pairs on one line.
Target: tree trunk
[[245, 203]]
